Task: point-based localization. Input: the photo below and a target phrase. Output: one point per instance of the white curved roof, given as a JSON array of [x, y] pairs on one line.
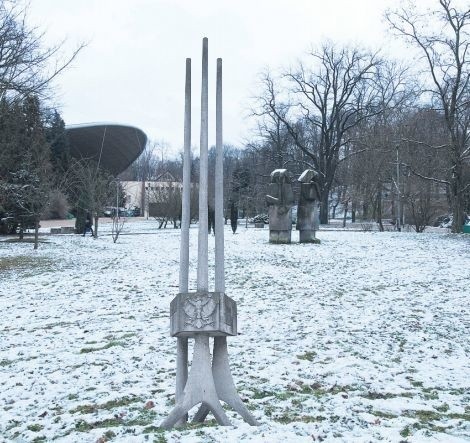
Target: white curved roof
[[115, 146]]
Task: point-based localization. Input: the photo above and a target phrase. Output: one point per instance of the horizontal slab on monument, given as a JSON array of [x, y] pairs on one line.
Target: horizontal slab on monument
[[211, 313], [280, 237]]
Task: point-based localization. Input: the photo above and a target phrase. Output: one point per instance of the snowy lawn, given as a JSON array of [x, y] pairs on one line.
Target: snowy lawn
[[362, 338]]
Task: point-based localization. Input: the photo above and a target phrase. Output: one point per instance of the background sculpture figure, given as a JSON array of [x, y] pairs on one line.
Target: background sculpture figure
[[280, 200], [309, 195]]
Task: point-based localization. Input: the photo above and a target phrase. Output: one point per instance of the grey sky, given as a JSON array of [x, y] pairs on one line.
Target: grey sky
[[132, 70]]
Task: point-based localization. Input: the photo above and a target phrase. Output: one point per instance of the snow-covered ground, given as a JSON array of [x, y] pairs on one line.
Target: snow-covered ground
[[362, 338]]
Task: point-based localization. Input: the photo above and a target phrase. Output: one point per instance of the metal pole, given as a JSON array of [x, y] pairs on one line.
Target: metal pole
[[147, 201], [182, 342], [202, 273], [219, 186], [398, 196], [117, 199], [185, 208]]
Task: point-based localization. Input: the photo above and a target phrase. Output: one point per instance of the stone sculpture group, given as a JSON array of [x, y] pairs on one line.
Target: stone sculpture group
[[280, 200]]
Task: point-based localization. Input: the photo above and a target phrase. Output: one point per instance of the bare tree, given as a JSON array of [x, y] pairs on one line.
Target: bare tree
[[118, 222], [421, 206], [276, 142], [93, 190], [326, 102], [146, 166], [165, 204], [24, 64], [117, 225], [446, 55]]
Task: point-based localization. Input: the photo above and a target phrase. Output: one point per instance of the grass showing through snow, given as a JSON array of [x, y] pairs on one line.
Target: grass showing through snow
[[363, 337]]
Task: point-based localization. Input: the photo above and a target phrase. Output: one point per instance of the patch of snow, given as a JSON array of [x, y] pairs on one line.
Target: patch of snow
[[361, 338]]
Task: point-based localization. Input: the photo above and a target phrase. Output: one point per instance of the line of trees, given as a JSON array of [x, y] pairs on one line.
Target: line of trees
[[38, 178], [389, 141], [373, 128]]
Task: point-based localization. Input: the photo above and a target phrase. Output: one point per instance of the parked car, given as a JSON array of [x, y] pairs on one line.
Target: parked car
[[135, 211], [445, 221], [261, 218], [109, 211]]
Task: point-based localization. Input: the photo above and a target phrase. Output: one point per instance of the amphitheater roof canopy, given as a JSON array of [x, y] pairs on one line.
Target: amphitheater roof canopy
[[114, 146]]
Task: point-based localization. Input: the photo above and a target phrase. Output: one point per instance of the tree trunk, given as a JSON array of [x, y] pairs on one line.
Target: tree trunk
[[233, 217], [324, 208], [353, 211], [346, 205], [36, 234], [338, 199], [457, 216], [211, 220], [458, 212], [333, 214], [379, 207], [365, 211], [95, 234]]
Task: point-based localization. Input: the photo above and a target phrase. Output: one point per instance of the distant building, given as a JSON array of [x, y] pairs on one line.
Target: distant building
[[146, 194]]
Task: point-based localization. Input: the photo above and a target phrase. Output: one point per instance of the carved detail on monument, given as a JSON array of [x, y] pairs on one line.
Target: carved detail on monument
[[212, 313], [310, 190], [199, 311], [280, 190]]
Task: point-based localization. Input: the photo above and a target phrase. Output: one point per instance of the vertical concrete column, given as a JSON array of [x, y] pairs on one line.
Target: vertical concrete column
[[219, 186], [185, 209], [182, 342], [202, 246]]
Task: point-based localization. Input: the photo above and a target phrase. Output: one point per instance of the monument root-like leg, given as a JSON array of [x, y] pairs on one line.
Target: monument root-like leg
[[200, 387], [224, 384]]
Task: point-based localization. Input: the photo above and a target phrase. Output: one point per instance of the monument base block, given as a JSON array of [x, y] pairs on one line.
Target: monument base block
[[308, 236], [280, 237]]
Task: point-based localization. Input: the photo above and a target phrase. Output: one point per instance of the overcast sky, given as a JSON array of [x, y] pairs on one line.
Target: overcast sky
[[132, 70]]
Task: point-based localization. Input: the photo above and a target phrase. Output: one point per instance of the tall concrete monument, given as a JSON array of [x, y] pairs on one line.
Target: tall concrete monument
[[280, 200], [309, 195], [203, 314]]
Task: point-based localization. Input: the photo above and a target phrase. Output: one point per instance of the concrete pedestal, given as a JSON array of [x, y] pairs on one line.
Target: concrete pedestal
[[306, 213], [280, 224], [280, 237], [308, 236]]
